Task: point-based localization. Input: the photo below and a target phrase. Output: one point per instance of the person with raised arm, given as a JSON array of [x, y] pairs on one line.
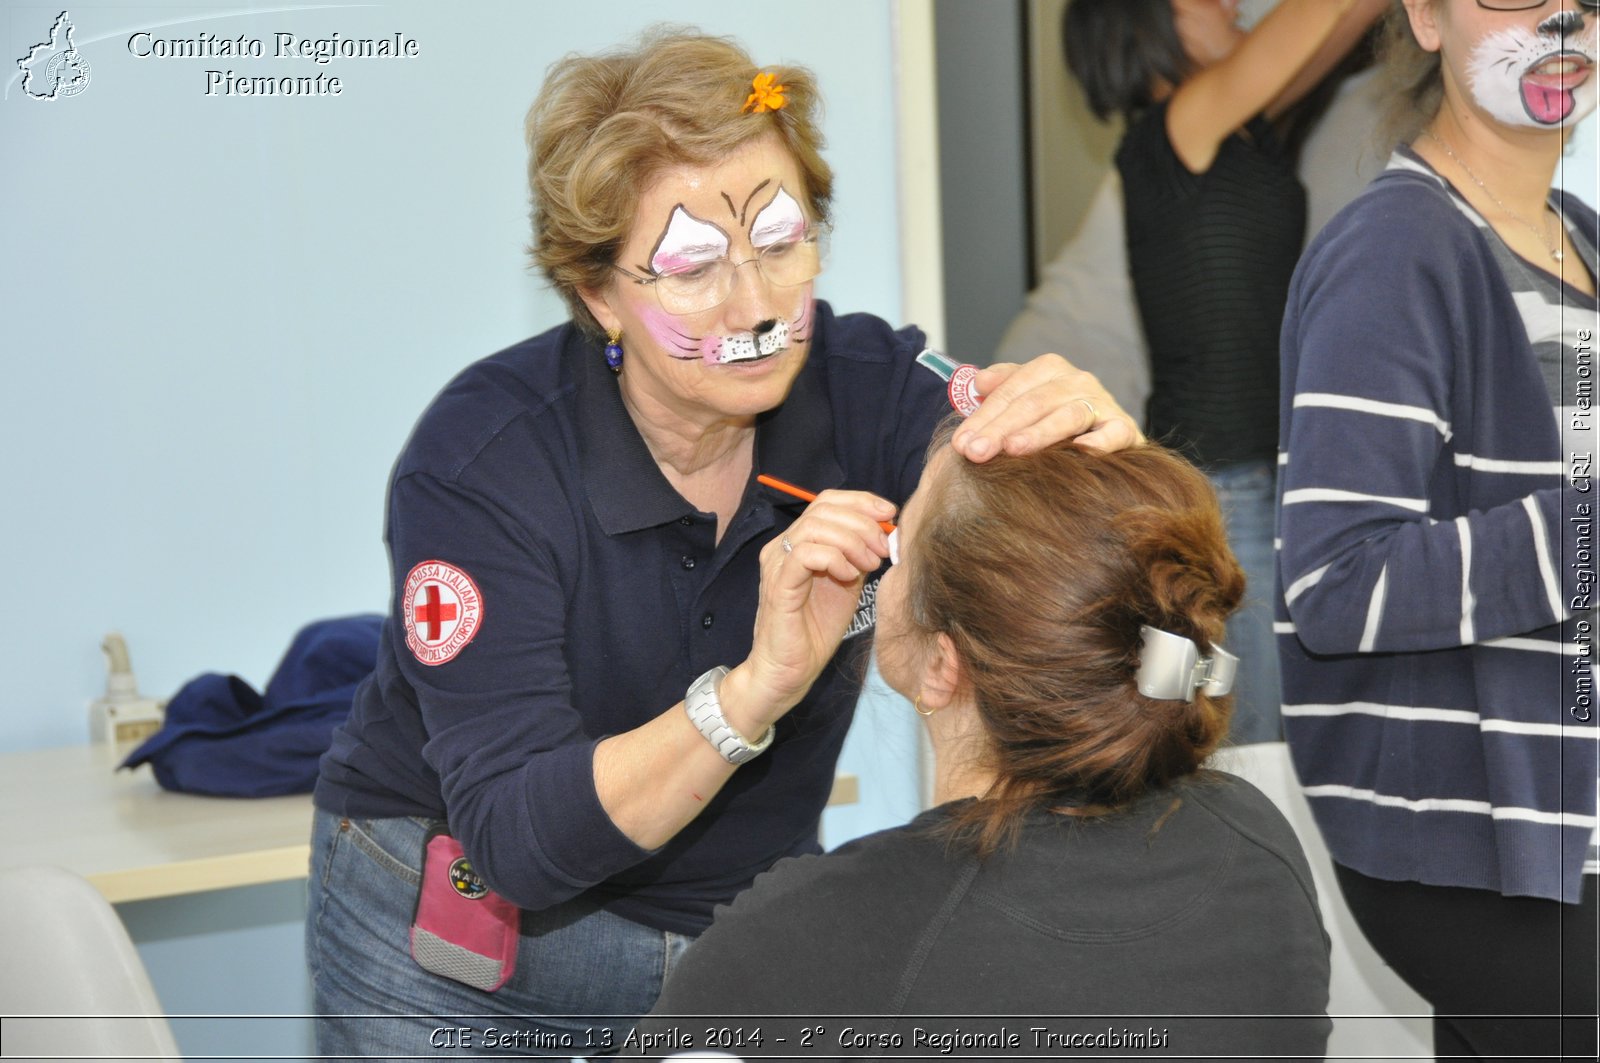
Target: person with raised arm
[[1215, 219]]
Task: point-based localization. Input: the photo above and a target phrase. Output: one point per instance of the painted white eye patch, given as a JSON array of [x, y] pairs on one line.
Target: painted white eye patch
[[780, 220], [687, 241]]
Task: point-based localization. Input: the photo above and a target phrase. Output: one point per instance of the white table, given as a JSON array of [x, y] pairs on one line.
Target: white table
[[134, 840]]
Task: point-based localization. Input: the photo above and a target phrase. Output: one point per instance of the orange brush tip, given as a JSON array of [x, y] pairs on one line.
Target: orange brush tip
[[804, 495]]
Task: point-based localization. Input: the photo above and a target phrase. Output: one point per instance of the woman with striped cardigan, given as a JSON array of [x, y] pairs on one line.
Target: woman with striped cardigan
[[1436, 573]]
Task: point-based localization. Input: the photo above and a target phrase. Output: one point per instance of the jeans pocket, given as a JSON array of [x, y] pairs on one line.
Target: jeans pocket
[[385, 842], [325, 838]]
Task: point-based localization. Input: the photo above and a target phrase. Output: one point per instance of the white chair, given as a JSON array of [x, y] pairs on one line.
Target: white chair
[[73, 984], [1375, 1014]]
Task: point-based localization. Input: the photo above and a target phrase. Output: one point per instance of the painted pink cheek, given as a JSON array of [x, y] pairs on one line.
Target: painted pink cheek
[[710, 348], [802, 323], [663, 330]]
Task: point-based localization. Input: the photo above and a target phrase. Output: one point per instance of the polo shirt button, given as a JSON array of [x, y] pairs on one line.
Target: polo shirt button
[[707, 620], [685, 521], [688, 562]]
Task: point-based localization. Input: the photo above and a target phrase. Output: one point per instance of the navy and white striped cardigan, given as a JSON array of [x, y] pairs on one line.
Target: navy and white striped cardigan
[[1430, 601]]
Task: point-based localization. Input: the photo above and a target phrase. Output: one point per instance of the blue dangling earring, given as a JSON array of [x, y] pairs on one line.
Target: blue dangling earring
[[614, 351]]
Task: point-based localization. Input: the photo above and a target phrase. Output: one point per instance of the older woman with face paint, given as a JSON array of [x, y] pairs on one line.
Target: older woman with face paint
[[1436, 574], [592, 719]]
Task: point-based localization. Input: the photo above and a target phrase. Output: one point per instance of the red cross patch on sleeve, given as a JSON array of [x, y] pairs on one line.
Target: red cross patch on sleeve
[[442, 610]]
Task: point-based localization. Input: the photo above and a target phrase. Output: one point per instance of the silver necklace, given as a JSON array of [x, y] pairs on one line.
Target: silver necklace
[[1554, 248]]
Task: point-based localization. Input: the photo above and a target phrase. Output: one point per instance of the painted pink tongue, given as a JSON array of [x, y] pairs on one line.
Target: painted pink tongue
[[1547, 105]]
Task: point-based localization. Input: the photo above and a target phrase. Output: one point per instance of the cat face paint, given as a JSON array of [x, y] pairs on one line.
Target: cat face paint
[[688, 241], [1540, 77], [728, 348], [779, 221], [782, 219]]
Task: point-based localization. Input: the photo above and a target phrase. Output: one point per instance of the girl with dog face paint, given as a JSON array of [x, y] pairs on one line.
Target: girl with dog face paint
[[1516, 78], [1537, 76]]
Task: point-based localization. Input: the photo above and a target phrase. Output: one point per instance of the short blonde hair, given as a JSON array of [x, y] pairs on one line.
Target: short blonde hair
[[604, 126]]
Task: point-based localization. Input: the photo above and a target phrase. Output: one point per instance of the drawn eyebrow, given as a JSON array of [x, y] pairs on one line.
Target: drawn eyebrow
[[732, 211], [745, 209]]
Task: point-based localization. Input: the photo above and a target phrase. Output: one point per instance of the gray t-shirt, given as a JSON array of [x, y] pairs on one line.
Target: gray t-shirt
[[1188, 919]]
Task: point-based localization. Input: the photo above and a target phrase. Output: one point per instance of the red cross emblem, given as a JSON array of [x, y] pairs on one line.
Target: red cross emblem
[[442, 610], [431, 613], [964, 395]]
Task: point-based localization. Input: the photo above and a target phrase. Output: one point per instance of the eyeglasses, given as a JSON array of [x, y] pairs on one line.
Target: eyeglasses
[[706, 285], [1527, 5]]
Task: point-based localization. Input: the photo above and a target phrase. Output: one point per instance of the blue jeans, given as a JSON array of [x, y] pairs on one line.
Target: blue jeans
[[1246, 492], [583, 975]]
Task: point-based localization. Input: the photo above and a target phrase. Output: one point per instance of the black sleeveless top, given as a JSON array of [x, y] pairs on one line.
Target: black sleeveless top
[[1211, 256]]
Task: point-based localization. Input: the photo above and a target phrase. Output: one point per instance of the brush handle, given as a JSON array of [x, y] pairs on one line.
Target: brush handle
[[804, 495]]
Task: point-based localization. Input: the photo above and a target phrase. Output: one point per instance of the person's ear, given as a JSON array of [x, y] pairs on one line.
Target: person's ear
[[596, 299], [942, 674], [1424, 16]]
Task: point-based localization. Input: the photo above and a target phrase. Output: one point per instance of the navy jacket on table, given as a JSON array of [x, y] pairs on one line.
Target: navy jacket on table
[[551, 588], [222, 737]]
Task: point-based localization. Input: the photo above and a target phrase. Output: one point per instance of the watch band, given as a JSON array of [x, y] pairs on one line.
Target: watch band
[[705, 711]]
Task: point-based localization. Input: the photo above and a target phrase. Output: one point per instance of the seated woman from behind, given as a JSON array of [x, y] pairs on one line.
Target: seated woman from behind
[[1055, 619]]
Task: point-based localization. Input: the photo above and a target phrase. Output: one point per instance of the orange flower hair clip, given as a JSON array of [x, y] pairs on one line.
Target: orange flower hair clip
[[766, 97]]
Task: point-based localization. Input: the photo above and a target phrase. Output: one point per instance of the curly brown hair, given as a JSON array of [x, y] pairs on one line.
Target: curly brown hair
[[1041, 570], [604, 126]]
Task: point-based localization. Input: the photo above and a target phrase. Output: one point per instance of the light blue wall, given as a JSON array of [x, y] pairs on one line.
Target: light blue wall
[[222, 315], [1579, 171]]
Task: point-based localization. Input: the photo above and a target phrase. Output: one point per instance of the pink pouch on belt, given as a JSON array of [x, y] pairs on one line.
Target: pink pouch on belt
[[462, 929]]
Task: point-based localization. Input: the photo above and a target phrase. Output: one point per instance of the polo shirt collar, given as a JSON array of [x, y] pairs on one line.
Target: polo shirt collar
[[627, 490]]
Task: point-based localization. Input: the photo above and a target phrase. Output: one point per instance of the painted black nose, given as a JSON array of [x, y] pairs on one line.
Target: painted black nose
[[766, 326], [1562, 24]]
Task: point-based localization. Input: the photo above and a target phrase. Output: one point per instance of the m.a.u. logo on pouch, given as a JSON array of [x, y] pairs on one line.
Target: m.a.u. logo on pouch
[[461, 929], [466, 881]]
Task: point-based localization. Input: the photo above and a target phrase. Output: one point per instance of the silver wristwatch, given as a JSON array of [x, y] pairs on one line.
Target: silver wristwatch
[[705, 712]]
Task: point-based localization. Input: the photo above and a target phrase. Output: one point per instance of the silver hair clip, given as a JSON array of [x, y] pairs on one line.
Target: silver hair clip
[[1171, 668]]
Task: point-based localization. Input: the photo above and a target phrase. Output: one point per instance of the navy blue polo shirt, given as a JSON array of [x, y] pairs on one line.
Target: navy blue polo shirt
[[551, 588]]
